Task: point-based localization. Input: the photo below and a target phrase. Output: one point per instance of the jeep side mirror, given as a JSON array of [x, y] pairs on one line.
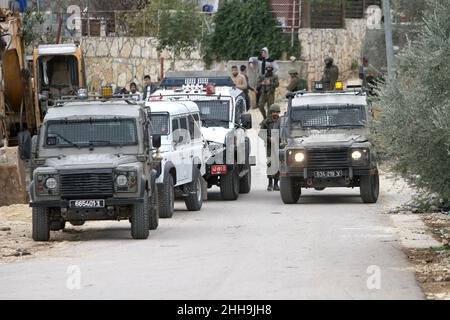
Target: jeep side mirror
[[246, 120], [156, 141], [34, 146]]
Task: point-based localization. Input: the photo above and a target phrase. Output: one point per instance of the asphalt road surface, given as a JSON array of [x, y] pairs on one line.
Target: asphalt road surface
[[328, 246]]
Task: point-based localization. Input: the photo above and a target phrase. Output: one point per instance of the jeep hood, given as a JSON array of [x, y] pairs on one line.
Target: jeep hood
[[85, 161], [215, 134], [318, 139]]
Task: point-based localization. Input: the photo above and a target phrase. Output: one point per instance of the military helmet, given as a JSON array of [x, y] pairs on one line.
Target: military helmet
[[275, 108], [293, 71]]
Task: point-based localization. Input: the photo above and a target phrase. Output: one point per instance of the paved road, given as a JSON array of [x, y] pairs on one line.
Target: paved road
[[254, 248]]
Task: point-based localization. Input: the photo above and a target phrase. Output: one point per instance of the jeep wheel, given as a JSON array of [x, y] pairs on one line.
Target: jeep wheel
[[194, 201], [290, 192], [154, 210], [57, 225], [166, 198], [245, 183], [41, 224], [229, 185], [139, 220], [370, 188]]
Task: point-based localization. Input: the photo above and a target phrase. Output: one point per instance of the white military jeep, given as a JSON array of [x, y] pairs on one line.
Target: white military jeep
[[92, 160], [224, 123], [181, 153]]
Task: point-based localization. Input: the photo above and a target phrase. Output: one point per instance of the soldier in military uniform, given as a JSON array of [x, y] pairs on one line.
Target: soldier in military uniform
[[265, 133], [297, 83], [267, 84], [330, 74]]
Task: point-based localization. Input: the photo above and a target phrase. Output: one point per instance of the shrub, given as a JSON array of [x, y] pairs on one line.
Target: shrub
[[414, 130]]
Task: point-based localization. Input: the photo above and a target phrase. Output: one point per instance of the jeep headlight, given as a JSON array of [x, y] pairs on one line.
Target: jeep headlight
[[299, 157], [296, 157], [360, 156], [51, 183], [126, 180], [122, 180], [46, 184], [356, 155]]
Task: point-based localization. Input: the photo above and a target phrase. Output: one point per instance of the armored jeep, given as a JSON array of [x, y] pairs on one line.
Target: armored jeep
[[324, 143], [224, 126], [92, 160]]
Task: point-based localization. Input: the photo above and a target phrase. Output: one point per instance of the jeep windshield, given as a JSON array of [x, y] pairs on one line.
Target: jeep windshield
[[214, 113], [91, 133], [332, 116]]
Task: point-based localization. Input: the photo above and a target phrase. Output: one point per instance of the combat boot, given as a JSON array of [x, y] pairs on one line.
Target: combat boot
[[270, 186], [276, 187]]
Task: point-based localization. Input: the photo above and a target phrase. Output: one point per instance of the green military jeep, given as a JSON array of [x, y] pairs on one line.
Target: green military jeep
[[324, 143]]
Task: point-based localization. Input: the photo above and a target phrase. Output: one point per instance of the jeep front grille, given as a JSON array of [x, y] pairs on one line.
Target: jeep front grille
[[87, 183], [328, 158]]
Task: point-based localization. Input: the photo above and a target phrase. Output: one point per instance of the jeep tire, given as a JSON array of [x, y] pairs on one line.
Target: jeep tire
[[229, 185], [139, 220], [166, 198], [245, 183], [41, 224], [370, 188], [153, 210], [290, 191], [194, 201]]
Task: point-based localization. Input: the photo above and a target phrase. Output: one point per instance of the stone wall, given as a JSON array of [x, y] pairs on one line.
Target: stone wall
[[345, 46], [121, 60]]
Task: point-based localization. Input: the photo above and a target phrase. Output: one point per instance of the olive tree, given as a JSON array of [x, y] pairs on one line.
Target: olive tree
[[414, 129]]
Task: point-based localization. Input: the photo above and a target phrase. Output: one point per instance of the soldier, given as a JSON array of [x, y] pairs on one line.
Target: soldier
[[271, 122], [330, 74], [297, 83], [267, 84]]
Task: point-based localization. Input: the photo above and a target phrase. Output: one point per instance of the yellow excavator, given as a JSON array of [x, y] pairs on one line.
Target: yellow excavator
[[26, 95]]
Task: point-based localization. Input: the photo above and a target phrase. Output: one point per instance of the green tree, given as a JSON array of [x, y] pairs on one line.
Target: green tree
[[242, 28], [415, 126]]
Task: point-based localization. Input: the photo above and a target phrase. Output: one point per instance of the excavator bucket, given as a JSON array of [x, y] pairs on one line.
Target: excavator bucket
[[13, 188]]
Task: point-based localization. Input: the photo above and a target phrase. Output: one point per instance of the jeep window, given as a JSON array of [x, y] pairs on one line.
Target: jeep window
[[88, 133], [160, 124], [194, 126], [215, 112], [183, 124], [336, 116]]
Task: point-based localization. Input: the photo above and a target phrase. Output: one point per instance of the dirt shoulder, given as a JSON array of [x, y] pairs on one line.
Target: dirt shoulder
[[425, 238], [15, 235]]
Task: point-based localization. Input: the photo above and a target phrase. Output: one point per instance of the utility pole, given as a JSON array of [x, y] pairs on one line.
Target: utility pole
[[389, 42]]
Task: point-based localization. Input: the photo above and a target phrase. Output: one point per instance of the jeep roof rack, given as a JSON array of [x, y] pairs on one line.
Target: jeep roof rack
[[128, 98], [179, 81]]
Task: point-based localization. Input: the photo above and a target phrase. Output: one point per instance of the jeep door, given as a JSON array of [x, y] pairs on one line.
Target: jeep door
[[197, 145], [180, 154]]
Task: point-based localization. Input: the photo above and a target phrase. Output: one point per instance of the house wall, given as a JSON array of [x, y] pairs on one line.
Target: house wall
[[345, 46]]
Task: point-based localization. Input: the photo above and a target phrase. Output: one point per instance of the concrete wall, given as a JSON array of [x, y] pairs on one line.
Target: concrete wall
[[345, 46]]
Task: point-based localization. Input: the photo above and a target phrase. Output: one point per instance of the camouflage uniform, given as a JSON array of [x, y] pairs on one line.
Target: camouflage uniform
[[267, 84], [330, 75], [297, 84], [265, 133]]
